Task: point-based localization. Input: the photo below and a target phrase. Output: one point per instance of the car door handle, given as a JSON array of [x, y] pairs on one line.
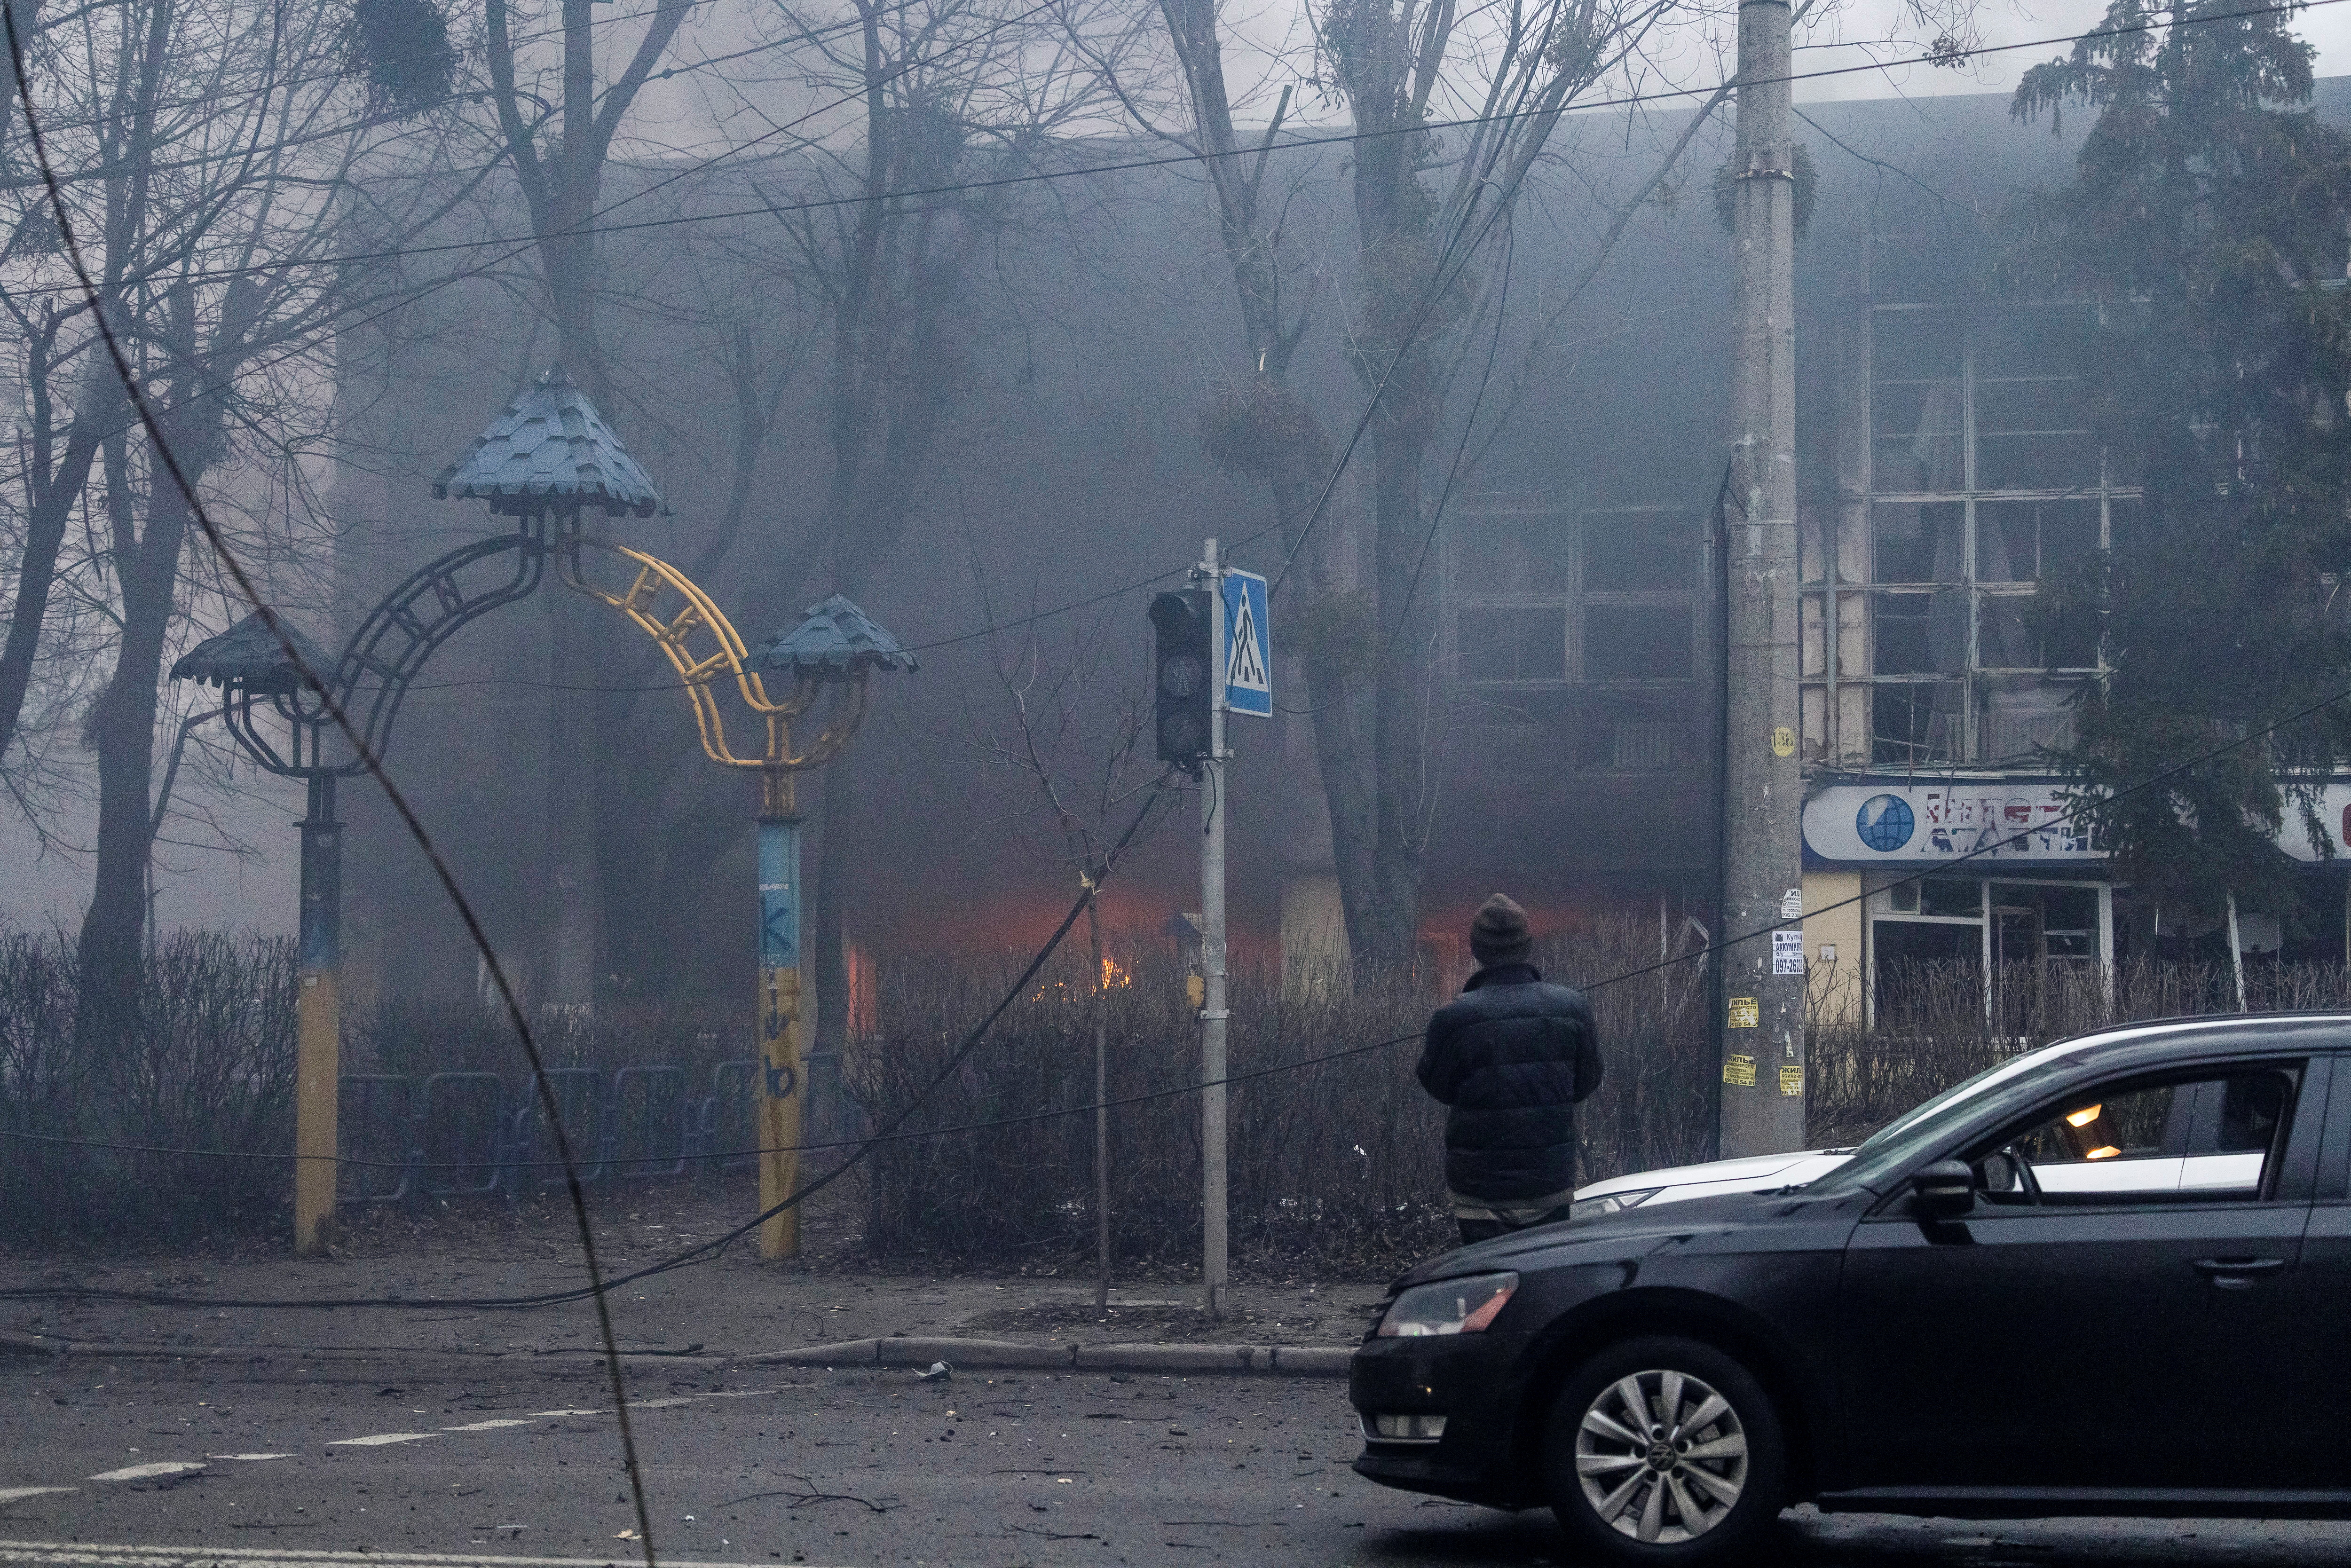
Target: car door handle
[[2236, 1273]]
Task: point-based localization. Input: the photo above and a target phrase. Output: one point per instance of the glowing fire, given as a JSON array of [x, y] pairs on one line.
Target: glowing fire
[[1114, 977]]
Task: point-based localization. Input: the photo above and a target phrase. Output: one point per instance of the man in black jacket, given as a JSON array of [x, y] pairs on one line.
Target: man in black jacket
[[1510, 1059]]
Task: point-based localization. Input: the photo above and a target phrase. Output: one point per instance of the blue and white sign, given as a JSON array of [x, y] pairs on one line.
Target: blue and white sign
[[1248, 646], [1916, 820]]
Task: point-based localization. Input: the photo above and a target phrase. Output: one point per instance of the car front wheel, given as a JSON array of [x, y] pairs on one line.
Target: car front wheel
[[1664, 1451]]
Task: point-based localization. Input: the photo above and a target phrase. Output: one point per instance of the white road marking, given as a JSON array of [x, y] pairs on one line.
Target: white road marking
[[535, 1412], [10, 1494], [150, 1471], [77, 1555], [379, 1439], [657, 1404], [488, 1426], [248, 1456]]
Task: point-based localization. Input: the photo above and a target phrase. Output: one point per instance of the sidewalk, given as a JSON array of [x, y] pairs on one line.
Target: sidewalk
[[699, 1318]]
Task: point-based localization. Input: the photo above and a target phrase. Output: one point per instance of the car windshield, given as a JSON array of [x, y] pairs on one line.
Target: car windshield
[[2007, 1084]]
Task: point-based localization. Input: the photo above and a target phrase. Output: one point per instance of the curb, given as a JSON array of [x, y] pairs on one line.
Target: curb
[[331, 1357], [899, 1351]]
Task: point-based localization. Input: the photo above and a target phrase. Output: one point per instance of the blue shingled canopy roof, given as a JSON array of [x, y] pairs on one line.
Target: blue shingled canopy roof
[[251, 653], [837, 638], [549, 450]]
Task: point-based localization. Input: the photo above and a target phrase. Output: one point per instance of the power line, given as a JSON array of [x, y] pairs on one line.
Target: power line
[[591, 226], [161, 450], [954, 1064], [2082, 809]]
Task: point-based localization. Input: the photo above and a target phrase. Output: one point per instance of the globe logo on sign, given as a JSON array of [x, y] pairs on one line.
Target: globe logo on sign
[[1885, 823]]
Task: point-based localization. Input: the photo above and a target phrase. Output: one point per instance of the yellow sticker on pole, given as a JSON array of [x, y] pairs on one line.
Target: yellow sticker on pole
[[1744, 1013], [1784, 741], [1738, 1071], [1791, 1079]]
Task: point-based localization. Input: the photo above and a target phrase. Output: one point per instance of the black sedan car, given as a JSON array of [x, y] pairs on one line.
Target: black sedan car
[[2016, 1300]]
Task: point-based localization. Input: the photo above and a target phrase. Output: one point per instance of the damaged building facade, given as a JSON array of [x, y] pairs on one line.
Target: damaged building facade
[[1947, 471]]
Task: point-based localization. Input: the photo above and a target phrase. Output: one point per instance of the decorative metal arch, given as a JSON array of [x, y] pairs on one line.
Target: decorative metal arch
[[704, 648], [384, 657]]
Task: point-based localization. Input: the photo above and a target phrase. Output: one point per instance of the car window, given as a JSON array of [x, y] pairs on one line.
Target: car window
[[1880, 1159], [2111, 1145], [2127, 1142]]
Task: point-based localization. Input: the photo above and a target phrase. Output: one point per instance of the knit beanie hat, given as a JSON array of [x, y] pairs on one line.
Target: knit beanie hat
[[1498, 933]]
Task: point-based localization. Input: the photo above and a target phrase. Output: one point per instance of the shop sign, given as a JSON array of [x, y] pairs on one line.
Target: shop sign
[[1941, 819], [2003, 819]]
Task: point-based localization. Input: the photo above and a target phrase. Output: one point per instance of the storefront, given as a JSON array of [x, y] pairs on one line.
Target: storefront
[[1907, 877], [1953, 877]]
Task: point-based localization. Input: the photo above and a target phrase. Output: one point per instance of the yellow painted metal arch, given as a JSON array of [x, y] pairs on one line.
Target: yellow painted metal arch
[[704, 649]]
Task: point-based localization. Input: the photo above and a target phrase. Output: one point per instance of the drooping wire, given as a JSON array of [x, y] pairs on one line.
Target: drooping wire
[[2081, 810], [887, 1133], [161, 450]]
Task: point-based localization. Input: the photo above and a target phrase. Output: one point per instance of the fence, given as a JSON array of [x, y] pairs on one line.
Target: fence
[[1334, 1162], [473, 1134]]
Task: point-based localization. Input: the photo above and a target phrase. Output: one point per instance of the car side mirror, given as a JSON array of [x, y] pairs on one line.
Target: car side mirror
[[1944, 1190]]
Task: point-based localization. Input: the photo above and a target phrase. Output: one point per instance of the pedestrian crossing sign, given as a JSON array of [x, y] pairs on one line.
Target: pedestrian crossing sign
[[1248, 646]]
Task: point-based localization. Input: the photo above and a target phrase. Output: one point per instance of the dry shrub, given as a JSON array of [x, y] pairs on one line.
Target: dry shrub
[[206, 1061], [1935, 1029], [1336, 1162]]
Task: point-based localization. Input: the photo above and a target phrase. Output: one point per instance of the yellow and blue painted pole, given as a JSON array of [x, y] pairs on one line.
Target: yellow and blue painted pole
[[318, 1042], [782, 1070]]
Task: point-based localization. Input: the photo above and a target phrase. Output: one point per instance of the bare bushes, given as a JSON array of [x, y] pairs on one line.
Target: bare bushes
[[1936, 1027], [1343, 1148], [1341, 1160], [206, 1059]]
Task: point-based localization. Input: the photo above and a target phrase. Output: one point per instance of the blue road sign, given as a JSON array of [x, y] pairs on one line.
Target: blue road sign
[[1248, 646]]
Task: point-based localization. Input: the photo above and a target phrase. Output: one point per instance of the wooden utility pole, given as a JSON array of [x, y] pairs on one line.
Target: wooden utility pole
[[1763, 975]]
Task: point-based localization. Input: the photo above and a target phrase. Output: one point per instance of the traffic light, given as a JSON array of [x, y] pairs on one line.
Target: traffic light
[[1180, 672]]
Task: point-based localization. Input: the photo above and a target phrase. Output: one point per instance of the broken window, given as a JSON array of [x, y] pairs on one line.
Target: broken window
[[1985, 487]]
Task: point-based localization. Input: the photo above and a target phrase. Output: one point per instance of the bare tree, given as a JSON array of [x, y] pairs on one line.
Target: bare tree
[[1451, 110], [208, 160], [945, 92], [556, 126], [1076, 731]]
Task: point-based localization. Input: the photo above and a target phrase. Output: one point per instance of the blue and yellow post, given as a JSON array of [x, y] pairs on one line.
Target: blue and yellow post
[[783, 1072]]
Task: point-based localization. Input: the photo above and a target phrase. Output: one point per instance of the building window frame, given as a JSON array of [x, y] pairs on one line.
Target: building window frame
[[1847, 587]]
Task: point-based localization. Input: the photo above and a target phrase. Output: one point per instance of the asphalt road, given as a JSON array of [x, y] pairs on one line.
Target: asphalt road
[[100, 1466]]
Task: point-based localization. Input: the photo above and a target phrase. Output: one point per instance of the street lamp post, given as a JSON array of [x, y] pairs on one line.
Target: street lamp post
[[549, 458], [828, 658], [834, 650]]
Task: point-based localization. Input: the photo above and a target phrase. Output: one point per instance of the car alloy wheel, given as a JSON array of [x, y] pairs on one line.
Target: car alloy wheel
[[1661, 1457], [1664, 1452]]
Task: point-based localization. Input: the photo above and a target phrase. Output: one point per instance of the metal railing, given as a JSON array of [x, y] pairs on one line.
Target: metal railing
[[474, 1134]]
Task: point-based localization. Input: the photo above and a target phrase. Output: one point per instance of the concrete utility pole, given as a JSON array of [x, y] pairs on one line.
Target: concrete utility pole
[[1763, 878], [1213, 1014]]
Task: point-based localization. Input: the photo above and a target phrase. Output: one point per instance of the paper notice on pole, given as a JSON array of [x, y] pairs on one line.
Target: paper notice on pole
[[1791, 1079], [1738, 1071], [1787, 952], [1744, 1013], [1792, 904]]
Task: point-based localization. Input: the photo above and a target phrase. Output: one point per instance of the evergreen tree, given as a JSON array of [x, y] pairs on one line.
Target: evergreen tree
[[2208, 221]]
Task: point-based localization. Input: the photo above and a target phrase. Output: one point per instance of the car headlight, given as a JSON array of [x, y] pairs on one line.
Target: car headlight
[[1466, 1305], [1614, 1203]]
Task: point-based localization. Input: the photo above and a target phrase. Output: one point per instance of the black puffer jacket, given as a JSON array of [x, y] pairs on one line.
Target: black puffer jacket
[[1512, 1058]]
